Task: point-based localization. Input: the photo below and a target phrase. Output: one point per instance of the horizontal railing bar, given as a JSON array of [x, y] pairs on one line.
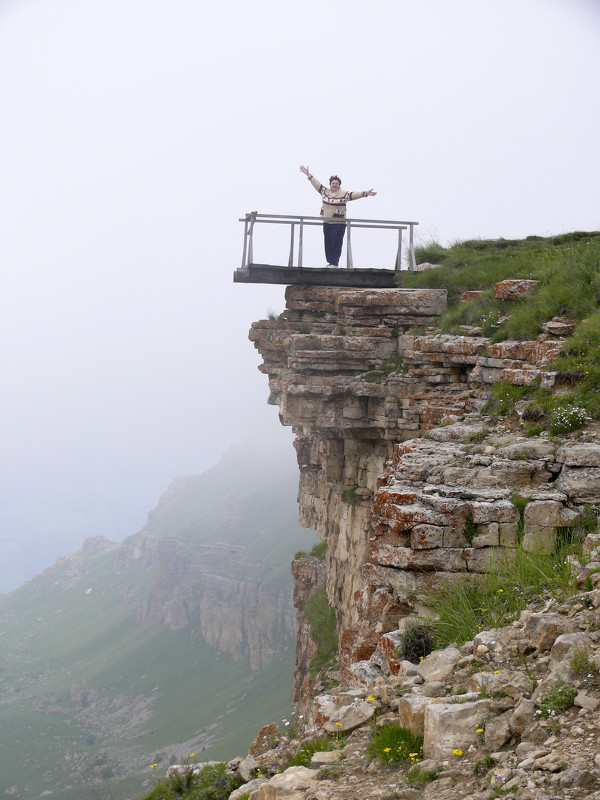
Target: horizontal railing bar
[[290, 217], [353, 223]]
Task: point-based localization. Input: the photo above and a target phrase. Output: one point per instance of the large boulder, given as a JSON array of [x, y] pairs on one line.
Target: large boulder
[[348, 718], [289, 785], [439, 664], [450, 727]]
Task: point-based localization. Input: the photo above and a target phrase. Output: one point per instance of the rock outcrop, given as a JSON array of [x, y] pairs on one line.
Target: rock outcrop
[[493, 716], [359, 389]]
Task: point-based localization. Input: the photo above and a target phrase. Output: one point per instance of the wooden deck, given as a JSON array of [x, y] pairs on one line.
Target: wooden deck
[[318, 276]]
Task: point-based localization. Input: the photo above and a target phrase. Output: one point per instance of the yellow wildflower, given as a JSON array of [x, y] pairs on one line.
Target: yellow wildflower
[[458, 752]]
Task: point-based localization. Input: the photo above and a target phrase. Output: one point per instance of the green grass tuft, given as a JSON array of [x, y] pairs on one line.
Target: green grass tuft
[[392, 744], [496, 598], [323, 629], [306, 751]]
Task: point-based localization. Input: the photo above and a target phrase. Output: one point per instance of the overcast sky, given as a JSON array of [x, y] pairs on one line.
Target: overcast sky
[[135, 133]]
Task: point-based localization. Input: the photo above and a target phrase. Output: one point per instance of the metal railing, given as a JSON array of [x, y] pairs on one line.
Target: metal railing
[[294, 222]]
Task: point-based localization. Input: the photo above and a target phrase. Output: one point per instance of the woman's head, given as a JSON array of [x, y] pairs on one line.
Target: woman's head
[[335, 183]]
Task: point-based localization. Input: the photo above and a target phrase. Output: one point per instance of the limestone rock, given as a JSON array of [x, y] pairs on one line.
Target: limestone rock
[[567, 642], [265, 739], [449, 727], [543, 629], [325, 758], [251, 788], [348, 718], [582, 484], [497, 731], [289, 785], [511, 289], [585, 454], [439, 664], [411, 712], [522, 716], [246, 766]]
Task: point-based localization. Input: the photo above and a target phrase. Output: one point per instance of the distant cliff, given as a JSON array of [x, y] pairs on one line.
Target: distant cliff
[[179, 639]]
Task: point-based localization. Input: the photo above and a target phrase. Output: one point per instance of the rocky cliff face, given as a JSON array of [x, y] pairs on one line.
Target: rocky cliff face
[[355, 384], [310, 575]]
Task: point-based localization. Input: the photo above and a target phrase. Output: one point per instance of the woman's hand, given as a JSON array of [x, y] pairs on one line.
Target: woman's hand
[[306, 171]]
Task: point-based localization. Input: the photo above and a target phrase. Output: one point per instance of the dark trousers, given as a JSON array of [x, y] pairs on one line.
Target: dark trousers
[[334, 239]]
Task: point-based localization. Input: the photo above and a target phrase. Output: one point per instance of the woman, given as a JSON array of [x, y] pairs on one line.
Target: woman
[[334, 207]]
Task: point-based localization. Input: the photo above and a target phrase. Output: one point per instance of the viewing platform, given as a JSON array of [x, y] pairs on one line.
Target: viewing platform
[[295, 272]]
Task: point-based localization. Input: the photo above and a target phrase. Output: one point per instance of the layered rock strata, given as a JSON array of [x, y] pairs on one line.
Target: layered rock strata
[[445, 508], [355, 382]]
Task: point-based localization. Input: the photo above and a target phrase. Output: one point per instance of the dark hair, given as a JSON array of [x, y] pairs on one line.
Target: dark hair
[[335, 178]]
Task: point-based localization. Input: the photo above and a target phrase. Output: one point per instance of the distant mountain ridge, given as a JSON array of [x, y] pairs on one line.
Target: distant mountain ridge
[[132, 652]]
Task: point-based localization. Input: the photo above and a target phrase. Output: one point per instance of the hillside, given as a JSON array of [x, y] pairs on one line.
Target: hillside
[[180, 638]]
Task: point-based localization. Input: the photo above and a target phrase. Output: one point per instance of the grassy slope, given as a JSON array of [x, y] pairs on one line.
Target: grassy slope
[[55, 633], [567, 269]]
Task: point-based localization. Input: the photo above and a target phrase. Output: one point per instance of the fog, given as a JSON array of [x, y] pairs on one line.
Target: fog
[[135, 133]]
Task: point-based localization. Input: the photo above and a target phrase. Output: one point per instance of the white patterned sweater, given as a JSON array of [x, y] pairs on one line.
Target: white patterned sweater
[[334, 203]]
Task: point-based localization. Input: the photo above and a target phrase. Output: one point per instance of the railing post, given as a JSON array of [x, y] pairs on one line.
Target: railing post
[[245, 242], [399, 253], [349, 263], [252, 216], [291, 256], [413, 263], [300, 241]]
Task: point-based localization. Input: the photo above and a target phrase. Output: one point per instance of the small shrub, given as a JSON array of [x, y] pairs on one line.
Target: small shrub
[[483, 765], [533, 430], [490, 322], [560, 697], [306, 751], [567, 418], [350, 495], [393, 744], [587, 581], [533, 414], [314, 343], [373, 376], [319, 550], [519, 503], [470, 531], [211, 782], [419, 777], [475, 438], [417, 642], [503, 398], [581, 663]]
